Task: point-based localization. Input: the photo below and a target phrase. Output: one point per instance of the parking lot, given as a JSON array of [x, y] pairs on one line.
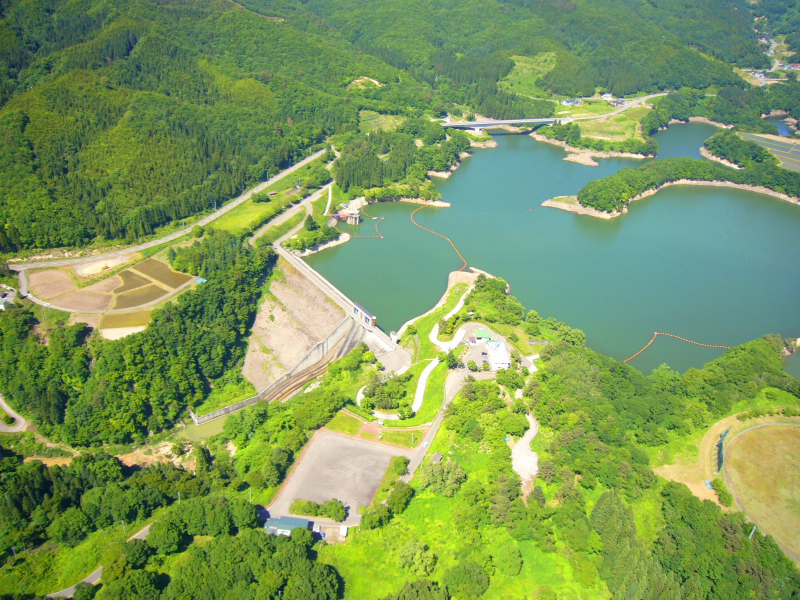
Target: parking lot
[[337, 466]]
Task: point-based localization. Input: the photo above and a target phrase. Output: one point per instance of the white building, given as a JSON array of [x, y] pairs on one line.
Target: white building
[[498, 355]]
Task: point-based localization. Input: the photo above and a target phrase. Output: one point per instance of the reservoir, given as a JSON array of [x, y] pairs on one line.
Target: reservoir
[[715, 265]]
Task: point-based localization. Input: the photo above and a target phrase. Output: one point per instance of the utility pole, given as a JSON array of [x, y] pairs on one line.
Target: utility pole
[[124, 529], [15, 552], [179, 498]]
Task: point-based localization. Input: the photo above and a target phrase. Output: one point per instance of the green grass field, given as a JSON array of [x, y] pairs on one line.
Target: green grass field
[[434, 396], [425, 348], [408, 439], [616, 128], [249, 215], [526, 72], [763, 473], [372, 121], [344, 423]]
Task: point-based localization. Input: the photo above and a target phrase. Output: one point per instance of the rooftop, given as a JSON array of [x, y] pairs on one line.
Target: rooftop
[[481, 333], [287, 523]]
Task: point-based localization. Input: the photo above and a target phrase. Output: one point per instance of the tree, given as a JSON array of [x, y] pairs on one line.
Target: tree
[[136, 585], [84, 591], [70, 528], [423, 589], [508, 560], [538, 496], [466, 580], [400, 497], [375, 517], [165, 537], [472, 365], [334, 509], [417, 558], [451, 359], [311, 224]]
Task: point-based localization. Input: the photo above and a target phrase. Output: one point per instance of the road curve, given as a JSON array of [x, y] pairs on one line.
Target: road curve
[[19, 425]]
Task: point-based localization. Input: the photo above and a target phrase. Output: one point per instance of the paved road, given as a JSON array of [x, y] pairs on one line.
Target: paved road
[[627, 106], [175, 235], [19, 423], [93, 578], [419, 394]]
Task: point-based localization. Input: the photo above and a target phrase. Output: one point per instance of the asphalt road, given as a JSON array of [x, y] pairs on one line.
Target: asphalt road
[[19, 423]]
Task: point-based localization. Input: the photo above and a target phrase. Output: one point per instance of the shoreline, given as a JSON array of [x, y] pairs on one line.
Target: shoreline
[[593, 212], [705, 153], [700, 120], [410, 200], [451, 170], [342, 239], [585, 151]]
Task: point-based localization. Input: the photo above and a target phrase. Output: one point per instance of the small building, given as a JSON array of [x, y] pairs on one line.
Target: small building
[[482, 335], [498, 355], [436, 458], [608, 97], [363, 316], [472, 340], [284, 525]]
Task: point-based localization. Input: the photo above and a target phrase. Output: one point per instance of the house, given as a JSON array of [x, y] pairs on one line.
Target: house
[[498, 355], [608, 97], [571, 102], [284, 525], [436, 458], [481, 335]]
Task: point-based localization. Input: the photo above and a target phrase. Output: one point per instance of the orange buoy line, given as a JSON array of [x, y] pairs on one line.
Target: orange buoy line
[[378, 231], [658, 333], [440, 235]]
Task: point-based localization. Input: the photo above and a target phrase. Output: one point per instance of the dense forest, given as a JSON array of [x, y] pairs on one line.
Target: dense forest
[[613, 193], [117, 120], [141, 383]]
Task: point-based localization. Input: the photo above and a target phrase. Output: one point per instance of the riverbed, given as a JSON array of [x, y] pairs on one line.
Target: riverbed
[[715, 265]]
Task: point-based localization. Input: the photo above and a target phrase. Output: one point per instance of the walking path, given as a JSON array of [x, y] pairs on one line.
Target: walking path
[[19, 423], [525, 461], [419, 395]]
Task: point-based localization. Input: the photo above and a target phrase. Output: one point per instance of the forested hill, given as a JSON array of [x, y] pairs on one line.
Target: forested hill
[[121, 116], [118, 117]]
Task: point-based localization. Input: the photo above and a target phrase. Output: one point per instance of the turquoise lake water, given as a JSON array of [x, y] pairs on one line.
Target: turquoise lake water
[[716, 265]]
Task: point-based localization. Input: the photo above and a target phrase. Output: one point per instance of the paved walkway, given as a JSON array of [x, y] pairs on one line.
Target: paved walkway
[[419, 395], [19, 423]]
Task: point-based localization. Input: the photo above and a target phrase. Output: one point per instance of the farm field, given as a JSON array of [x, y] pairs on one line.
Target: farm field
[[373, 121], [763, 473], [785, 150], [133, 286], [616, 128], [125, 319]]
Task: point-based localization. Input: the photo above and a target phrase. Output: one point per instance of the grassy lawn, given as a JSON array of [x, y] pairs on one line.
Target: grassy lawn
[[587, 108], [200, 433], [526, 72], [763, 467], [273, 234], [409, 439], [372, 121], [249, 215], [616, 128], [434, 396], [425, 324], [344, 423]]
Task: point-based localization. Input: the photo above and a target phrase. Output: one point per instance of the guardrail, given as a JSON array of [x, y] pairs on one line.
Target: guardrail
[[315, 356]]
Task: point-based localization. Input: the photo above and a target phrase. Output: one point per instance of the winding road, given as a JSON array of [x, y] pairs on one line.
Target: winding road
[[19, 425]]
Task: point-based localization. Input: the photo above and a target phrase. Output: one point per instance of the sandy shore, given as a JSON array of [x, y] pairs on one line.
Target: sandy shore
[[439, 203], [578, 209], [706, 154], [582, 159], [490, 143], [345, 237], [574, 207], [702, 120], [584, 151]]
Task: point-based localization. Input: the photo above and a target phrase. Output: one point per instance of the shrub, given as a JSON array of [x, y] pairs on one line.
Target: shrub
[[400, 497], [375, 517], [467, 580], [417, 558], [725, 497]]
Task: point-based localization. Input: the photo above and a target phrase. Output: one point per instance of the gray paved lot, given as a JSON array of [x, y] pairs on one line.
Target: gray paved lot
[[337, 466]]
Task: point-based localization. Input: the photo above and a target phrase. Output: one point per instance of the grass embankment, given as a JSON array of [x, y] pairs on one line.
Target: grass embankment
[[272, 235], [419, 343], [249, 215], [434, 396]]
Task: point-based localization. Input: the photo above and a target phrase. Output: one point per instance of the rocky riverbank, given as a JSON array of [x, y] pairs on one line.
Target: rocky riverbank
[[584, 155]]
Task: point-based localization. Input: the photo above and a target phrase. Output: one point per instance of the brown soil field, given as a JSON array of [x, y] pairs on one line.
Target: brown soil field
[[50, 462], [87, 270], [139, 296], [85, 301], [161, 272], [130, 281], [131, 319], [92, 321], [49, 284], [104, 287], [762, 469]]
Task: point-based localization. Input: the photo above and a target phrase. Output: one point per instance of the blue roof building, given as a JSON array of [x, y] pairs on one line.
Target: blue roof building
[[284, 525]]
